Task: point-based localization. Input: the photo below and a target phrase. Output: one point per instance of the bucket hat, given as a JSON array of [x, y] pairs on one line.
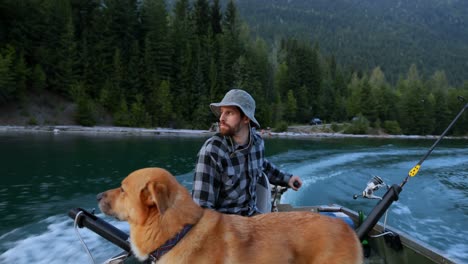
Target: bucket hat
[[241, 99]]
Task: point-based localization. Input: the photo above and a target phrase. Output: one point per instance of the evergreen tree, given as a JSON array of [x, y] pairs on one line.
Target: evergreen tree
[[202, 19], [455, 103], [385, 98], [160, 106], [84, 13], [216, 18], [217, 61], [59, 46], [338, 82], [22, 75], [164, 102], [281, 78], [353, 106], [368, 101], [122, 115], [441, 112], [97, 51], [231, 42], [327, 100], [156, 35], [138, 115], [38, 78], [416, 117], [291, 107], [85, 114], [7, 78], [181, 39], [135, 80], [115, 93], [121, 22]]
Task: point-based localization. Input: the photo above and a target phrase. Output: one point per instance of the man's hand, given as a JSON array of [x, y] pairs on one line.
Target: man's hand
[[294, 179]]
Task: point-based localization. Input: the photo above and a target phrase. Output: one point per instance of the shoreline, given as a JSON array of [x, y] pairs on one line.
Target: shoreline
[[132, 131]]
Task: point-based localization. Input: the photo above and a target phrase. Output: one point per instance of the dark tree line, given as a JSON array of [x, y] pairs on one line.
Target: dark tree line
[[368, 33], [149, 65]]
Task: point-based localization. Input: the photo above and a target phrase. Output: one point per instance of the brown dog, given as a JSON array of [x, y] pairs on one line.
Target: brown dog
[[158, 208]]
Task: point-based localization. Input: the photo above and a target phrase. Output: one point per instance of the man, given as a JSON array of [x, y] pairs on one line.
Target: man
[[232, 163]]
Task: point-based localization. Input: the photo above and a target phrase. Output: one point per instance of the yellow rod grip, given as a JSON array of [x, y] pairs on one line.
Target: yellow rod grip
[[414, 170]]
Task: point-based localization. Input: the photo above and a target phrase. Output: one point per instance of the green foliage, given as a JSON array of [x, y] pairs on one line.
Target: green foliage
[[59, 45], [281, 127], [151, 66], [32, 122], [85, 113], [360, 125], [122, 115], [390, 34], [159, 105], [7, 78], [38, 78], [391, 127], [138, 115], [291, 107], [336, 127]]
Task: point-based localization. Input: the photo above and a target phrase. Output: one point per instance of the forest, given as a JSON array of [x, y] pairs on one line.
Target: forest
[[150, 64], [365, 34]]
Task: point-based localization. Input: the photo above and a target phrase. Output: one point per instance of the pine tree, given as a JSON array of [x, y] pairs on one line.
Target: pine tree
[[291, 107], [201, 14], [138, 115], [353, 106], [22, 75], [38, 79], [60, 47], [122, 115], [368, 102], [121, 24], [216, 18], [231, 43], [156, 35], [416, 117], [7, 78], [135, 80]]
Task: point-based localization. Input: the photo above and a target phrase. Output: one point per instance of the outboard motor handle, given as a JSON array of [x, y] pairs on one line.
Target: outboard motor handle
[[100, 227]]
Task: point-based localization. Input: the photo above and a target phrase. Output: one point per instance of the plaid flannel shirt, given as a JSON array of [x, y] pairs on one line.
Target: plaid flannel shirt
[[226, 174]]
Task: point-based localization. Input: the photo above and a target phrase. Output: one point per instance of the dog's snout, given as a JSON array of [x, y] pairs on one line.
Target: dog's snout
[[99, 196]]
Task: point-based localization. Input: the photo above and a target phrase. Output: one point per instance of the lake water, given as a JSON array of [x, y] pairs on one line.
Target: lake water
[[45, 175]]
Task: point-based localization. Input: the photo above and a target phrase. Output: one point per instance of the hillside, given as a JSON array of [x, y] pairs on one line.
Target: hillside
[[367, 33], [45, 108]]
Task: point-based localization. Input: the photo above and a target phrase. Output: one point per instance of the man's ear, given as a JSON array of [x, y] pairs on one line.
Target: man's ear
[[246, 120], [159, 195]]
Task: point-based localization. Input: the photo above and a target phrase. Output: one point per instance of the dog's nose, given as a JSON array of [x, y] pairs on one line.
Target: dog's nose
[[99, 196]]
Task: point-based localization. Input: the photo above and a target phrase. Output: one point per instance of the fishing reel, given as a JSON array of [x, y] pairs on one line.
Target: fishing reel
[[372, 185]]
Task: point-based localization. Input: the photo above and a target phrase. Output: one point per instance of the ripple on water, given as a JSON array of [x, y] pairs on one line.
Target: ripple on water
[[59, 239]]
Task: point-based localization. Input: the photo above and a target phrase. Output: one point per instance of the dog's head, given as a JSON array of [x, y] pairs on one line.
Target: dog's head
[[143, 192]]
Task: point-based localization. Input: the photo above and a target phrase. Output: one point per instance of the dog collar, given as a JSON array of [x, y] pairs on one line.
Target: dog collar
[[159, 252]]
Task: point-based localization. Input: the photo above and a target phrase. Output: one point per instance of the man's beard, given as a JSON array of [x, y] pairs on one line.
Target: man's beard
[[228, 131]]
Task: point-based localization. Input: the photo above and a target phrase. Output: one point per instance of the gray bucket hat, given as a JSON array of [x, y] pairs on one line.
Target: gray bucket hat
[[239, 98]]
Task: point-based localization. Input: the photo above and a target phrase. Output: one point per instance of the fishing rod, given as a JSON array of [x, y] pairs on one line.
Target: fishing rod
[[392, 193]]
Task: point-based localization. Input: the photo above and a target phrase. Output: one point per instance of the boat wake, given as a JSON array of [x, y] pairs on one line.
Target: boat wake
[[57, 243]]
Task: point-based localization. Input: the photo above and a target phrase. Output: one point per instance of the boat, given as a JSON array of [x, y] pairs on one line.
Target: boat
[[382, 244]]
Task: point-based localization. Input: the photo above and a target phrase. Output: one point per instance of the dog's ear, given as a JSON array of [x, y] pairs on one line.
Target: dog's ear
[[159, 195]]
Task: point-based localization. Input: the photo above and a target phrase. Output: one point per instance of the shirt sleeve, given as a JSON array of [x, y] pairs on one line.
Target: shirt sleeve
[[275, 176], [206, 185]]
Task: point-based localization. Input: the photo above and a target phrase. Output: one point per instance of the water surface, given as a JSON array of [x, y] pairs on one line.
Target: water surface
[[45, 175]]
